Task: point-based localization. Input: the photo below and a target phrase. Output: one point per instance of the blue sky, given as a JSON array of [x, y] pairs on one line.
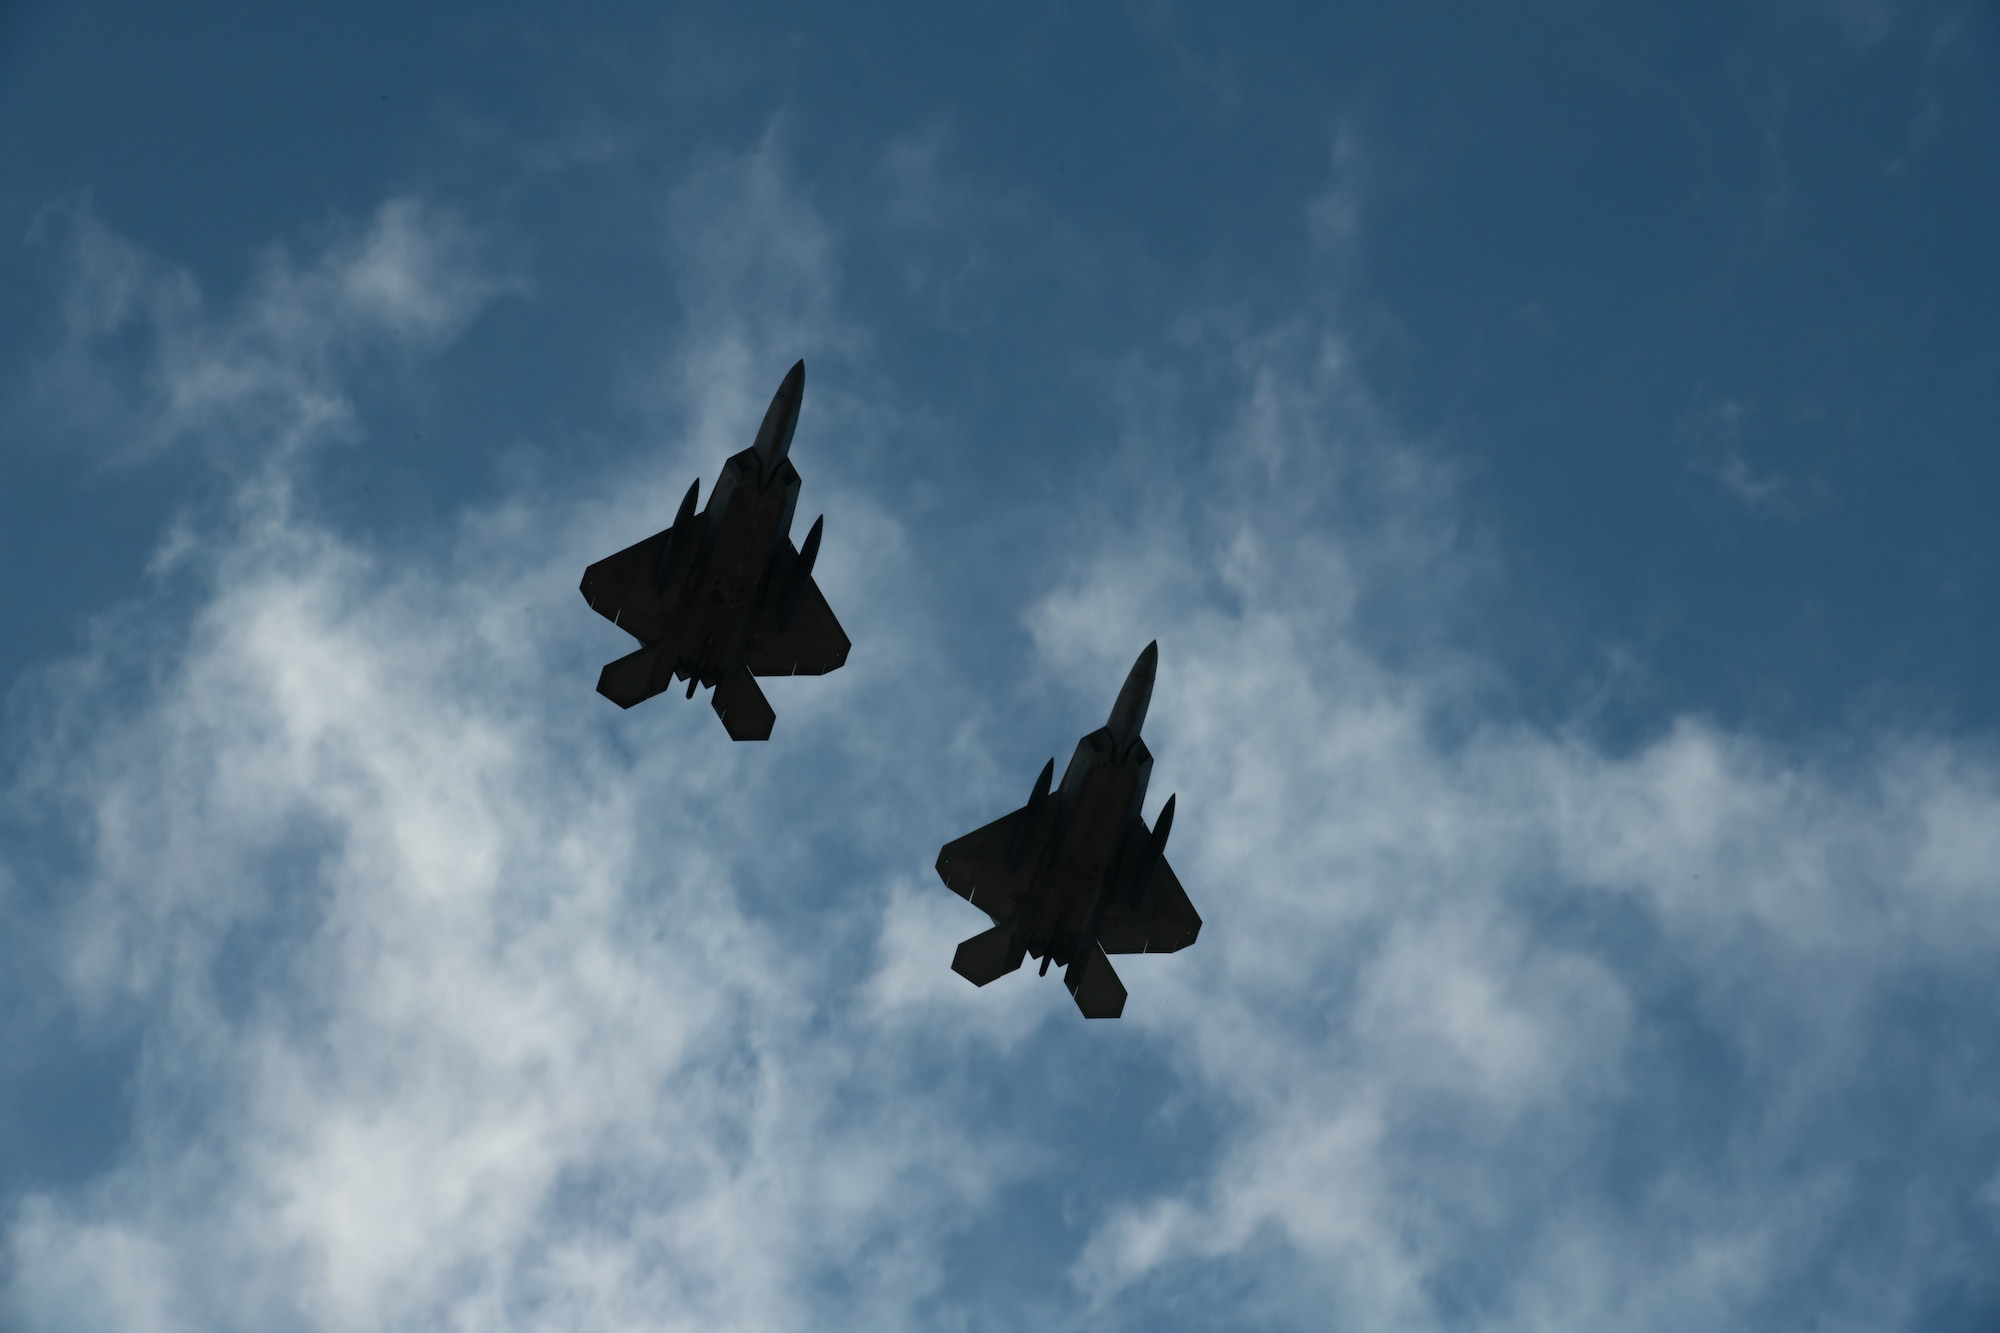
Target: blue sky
[[1555, 452]]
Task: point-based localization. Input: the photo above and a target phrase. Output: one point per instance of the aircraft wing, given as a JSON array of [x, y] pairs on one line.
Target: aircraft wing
[[812, 645], [975, 868], [620, 587], [1165, 923]]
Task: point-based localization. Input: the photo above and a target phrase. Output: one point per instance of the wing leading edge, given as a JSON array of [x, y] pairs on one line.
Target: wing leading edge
[[619, 588], [629, 587], [1165, 922], [812, 644], [975, 868], [607, 584]]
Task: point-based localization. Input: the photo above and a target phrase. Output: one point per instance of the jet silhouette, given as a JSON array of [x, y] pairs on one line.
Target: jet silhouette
[[723, 596], [1075, 874]]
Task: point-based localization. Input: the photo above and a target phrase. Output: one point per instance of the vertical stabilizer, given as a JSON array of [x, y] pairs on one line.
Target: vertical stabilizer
[[680, 540], [1028, 818]]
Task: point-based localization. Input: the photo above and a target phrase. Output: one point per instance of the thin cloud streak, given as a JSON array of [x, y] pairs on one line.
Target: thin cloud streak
[[264, 377]]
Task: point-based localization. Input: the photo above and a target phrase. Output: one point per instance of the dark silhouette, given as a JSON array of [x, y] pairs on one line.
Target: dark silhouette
[[723, 596], [1075, 874]]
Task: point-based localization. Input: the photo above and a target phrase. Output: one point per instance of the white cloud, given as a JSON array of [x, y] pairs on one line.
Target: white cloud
[[458, 1004], [1442, 981], [266, 374], [468, 1002]]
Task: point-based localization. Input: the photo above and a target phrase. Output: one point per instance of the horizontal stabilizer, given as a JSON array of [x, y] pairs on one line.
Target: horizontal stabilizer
[[987, 955], [745, 712], [636, 676], [1094, 985]]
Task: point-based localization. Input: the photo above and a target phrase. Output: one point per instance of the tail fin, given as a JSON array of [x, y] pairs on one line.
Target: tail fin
[[744, 710], [1094, 985], [988, 955]]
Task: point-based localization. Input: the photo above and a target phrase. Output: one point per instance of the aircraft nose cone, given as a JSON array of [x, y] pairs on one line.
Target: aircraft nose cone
[[1128, 714], [1141, 677], [774, 437]]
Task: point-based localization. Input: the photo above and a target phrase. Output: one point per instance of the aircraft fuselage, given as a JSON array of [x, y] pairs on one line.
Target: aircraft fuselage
[[1101, 794], [728, 579]]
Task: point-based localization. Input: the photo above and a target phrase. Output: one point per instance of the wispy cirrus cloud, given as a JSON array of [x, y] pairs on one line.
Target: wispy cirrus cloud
[[463, 1000], [140, 364], [1515, 1030], [456, 1003]]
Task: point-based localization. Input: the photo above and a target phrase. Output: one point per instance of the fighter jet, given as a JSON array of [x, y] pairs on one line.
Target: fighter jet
[[723, 596], [1075, 874]]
